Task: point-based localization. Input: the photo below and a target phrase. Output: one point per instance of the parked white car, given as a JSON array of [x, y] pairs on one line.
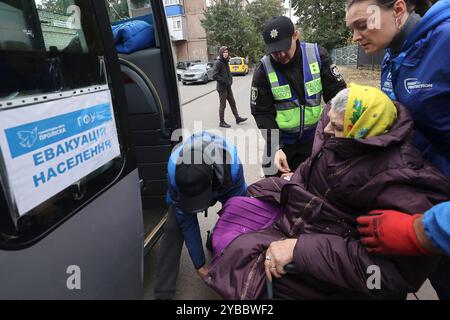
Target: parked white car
[[182, 66], [201, 72]]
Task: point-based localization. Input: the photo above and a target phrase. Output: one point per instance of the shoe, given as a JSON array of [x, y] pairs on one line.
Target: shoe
[[223, 124], [239, 120]]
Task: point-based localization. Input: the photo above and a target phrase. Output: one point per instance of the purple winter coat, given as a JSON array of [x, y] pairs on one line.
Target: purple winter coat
[[343, 179]]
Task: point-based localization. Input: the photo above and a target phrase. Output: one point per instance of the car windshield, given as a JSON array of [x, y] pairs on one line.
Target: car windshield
[[198, 67], [235, 61], [181, 65]]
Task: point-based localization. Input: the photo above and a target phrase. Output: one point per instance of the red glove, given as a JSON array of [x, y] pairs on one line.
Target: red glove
[[390, 232]]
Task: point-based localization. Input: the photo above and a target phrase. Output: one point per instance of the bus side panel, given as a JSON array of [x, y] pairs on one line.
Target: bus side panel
[[100, 249]]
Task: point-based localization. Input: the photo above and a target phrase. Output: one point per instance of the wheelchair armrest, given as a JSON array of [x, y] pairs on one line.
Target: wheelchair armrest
[[290, 268]]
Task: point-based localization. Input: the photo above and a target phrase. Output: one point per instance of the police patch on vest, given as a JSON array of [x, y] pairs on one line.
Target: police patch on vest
[[314, 87], [282, 92], [254, 93], [336, 73]]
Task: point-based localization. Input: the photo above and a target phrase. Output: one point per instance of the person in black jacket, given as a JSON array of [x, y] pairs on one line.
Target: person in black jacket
[[278, 95], [224, 81]]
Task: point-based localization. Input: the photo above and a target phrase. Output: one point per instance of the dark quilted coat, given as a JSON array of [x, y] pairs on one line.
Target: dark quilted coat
[[343, 179]]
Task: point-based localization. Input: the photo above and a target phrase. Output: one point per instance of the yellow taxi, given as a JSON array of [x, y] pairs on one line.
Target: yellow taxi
[[238, 66]]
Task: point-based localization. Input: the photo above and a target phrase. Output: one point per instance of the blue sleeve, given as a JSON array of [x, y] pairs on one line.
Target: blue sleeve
[[171, 195], [436, 222], [241, 186], [433, 116], [188, 224], [191, 232]]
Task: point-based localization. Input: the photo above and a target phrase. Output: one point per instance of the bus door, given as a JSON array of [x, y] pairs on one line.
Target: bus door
[[154, 110], [71, 223]]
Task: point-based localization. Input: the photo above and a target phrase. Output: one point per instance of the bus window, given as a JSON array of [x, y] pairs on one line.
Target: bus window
[[117, 10], [51, 61], [17, 28]]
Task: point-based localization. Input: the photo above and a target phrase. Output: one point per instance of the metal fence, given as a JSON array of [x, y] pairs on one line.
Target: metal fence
[[354, 56], [346, 56]]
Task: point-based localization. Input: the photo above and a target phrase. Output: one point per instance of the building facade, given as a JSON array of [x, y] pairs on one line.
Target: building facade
[[184, 22], [188, 36]]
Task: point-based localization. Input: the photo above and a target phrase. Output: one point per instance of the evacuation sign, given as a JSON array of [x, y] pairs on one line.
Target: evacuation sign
[[47, 147]]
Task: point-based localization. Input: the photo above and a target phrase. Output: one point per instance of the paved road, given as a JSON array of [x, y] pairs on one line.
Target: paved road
[[190, 92], [202, 113]]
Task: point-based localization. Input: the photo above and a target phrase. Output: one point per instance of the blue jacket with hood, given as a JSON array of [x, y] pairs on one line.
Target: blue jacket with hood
[[419, 78]]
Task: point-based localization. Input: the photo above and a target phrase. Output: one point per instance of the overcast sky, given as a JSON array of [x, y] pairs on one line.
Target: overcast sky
[[294, 18]]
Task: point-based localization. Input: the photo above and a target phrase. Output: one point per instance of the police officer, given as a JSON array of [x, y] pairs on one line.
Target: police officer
[[287, 91], [203, 170]]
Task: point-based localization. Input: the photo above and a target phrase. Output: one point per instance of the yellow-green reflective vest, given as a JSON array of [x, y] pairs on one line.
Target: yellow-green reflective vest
[[292, 116]]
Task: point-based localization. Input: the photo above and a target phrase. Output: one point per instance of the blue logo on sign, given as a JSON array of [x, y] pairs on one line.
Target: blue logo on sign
[[39, 134], [27, 138]]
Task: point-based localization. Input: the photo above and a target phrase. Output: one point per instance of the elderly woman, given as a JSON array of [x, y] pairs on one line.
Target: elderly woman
[[361, 161]]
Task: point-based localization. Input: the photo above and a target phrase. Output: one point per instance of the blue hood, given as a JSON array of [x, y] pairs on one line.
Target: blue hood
[[437, 14]]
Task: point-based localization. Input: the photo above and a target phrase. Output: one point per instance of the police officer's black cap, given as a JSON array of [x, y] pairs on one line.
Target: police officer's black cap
[[194, 183], [278, 33]]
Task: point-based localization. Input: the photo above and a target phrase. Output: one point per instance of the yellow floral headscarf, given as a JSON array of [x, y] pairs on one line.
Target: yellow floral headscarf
[[369, 112]]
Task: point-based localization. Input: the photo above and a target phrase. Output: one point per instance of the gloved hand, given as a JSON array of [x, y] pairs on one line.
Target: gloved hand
[[390, 232]]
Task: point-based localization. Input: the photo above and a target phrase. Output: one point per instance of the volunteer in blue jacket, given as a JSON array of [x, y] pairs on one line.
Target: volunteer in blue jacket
[[415, 72], [203, 170]]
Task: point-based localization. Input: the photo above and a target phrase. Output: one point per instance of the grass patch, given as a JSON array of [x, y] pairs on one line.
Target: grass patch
[[361, 77]]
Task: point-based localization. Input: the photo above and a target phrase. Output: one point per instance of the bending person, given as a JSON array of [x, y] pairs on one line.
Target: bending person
[[203, 170]]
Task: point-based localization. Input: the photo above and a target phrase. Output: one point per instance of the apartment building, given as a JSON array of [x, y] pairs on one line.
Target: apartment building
[[183, 19]]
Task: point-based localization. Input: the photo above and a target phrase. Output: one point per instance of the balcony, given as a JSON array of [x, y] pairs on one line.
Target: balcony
[[177, 28], [174, 10]]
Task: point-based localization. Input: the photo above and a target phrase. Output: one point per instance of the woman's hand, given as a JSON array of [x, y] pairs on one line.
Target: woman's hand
[[279, 254]]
